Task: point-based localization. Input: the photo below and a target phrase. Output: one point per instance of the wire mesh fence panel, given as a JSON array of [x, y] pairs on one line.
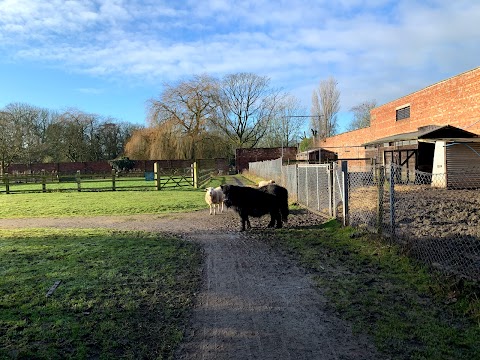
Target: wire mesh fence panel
[[437, 222], [269, 169], [363, 197], [337, 192], [289, 181], [314, 187]]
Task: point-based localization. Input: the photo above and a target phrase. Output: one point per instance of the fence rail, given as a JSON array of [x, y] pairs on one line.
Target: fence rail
[[429, 217], [159, 179]]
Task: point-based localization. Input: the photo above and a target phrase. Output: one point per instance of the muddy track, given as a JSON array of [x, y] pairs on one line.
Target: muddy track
[[254, 302]]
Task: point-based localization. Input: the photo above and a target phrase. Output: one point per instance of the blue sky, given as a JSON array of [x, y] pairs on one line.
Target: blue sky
[[109, 57]]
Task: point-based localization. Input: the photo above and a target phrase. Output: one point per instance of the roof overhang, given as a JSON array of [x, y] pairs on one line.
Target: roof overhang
[[431, 132]]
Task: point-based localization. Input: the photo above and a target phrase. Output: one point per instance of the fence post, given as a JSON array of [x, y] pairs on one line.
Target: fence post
[[306, 185], [296, 182], [195, 174], [392, 202], [7, 183], [113, 180], [44, 181], [345, 189], [156, 175], [78, 179], [318, 190], [330, 188], [381, 182]]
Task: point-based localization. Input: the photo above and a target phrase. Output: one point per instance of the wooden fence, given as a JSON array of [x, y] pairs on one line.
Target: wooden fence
[[159, 179]]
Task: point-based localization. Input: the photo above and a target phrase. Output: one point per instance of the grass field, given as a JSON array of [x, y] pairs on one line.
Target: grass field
[[95, 184], [122, 294], [100, 203], [126, 294]]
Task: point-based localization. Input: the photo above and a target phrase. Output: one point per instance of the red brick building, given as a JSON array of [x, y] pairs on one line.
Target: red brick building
[[454, 101]]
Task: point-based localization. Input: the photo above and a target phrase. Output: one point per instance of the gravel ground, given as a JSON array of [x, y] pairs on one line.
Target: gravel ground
[[254, 302]]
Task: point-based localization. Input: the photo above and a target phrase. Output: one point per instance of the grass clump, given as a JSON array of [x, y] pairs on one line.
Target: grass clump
[[407, 310], [122, 294]]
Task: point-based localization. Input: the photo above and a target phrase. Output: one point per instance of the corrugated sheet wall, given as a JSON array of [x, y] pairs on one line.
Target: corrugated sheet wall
[[463, 165]]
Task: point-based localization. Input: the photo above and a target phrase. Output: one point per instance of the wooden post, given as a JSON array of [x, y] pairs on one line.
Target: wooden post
[[78, 179], [195, 175], [113, 180], [7, 184], [44, 181], [381, 182], [156, 175]]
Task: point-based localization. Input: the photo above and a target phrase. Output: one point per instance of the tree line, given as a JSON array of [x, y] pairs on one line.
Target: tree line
[[33, 134], [198, 117]]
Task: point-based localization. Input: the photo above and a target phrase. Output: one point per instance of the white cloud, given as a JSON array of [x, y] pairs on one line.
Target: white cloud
[[375, 48], [91, 91]]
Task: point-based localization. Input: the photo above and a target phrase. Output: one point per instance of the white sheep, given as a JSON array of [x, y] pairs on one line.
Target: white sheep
[[265, 182], [214, 198]]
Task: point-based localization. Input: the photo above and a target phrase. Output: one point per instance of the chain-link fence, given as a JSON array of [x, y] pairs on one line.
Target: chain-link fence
[[314, 183], [433, 218]]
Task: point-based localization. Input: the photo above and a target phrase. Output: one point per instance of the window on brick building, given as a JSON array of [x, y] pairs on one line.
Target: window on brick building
[[403, 113]]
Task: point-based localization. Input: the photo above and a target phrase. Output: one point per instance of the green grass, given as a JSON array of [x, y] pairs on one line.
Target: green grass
[[100, 203], [122, 202], [121, 183], [409, 312], [122, 294]]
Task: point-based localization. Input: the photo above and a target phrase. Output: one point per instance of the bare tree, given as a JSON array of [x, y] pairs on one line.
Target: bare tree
[[325, 106], [361, 115], [186, 107], [246, 106], [29, 124], [286, 127], [10, 146]]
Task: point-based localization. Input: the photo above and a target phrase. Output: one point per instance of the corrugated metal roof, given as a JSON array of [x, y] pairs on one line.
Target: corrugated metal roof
[[427, 132]]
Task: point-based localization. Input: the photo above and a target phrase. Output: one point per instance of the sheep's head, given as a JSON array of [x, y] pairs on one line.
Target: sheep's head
[[209, 190]]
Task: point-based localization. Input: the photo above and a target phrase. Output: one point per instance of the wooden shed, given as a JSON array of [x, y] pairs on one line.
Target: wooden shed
[[317, 156], [447, 152]]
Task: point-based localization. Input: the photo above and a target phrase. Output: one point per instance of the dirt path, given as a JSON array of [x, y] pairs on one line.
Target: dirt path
[[254, 302]]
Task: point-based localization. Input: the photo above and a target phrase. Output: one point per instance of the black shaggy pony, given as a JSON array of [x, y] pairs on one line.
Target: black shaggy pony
[[282, 196], [246, 201]]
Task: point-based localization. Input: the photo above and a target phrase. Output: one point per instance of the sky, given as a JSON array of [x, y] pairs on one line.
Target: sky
[[109, 57]]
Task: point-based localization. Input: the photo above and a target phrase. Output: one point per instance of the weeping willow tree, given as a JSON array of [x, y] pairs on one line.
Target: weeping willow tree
[[162, 142]]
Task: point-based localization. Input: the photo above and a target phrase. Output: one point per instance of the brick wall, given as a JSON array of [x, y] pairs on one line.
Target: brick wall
[[244, 156], [454, 101]]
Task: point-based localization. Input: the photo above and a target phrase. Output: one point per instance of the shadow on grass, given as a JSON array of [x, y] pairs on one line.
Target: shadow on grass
[[121, 294]]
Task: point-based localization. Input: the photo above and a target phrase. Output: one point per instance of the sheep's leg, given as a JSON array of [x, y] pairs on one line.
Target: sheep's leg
[[210, 209]]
